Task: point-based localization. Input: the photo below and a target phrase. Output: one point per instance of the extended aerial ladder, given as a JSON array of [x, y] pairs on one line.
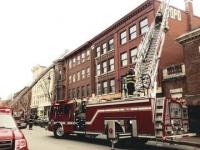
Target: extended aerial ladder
[[148, 55], [29, 88]]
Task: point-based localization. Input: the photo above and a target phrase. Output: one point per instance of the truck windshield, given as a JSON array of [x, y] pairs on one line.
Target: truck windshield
[[7, 121]]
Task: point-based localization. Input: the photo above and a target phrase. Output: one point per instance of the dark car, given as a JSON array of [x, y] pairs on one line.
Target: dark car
[[11, 136]]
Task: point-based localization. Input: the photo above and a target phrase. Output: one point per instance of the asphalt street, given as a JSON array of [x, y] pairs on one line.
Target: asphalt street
[[41, 139]]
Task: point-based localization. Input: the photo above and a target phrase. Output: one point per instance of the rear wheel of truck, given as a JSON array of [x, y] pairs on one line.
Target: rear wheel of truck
[[59, 132]]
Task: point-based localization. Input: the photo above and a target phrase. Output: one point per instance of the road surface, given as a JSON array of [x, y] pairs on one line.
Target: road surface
[[41, 139]]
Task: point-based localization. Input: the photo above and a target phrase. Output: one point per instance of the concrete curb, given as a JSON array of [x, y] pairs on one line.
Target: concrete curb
[[188, 143]]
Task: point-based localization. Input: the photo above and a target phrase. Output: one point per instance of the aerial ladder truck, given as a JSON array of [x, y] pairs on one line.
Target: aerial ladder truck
[[141, 117]]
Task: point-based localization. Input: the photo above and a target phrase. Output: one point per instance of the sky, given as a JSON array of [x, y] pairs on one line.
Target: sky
[[36, 32]]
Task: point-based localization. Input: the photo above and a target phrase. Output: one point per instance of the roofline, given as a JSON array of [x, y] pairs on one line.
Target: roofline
[[110, 28], [116, 24]]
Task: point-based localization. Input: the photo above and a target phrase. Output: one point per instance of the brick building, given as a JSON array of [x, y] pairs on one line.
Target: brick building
[[98, 66], [191, 49]]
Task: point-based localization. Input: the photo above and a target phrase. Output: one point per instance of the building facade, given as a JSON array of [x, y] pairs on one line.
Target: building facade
[[191, 46], [42, 91], [97, 67]]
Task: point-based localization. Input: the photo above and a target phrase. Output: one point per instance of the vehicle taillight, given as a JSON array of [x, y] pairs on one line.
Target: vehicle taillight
[[20, 144]]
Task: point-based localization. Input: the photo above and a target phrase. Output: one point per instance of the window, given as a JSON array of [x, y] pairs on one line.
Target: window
[[83, 56], [98, 51], [74, 61], [83, 91], [132, 32], [104, 48], [105, 87], [112, 86], [144, 26], [98, 89], [124, 59], [111, 66], [133, 55], [70, 63], [78, 76], [74, 77], [104, 66], [88, 73], [111, 44], [98, 70], [123, 38], [78, 59], [88, 54], [88, 90], [83, 74], [70, 79]]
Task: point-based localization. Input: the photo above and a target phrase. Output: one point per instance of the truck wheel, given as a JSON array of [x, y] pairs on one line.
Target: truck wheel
[[59, 132]]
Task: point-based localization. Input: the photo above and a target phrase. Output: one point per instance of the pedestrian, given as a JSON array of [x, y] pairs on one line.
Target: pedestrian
[[158, 19], [130, 81], [31, 121]]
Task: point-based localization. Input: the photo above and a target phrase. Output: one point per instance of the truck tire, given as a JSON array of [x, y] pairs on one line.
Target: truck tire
[[58, 132]]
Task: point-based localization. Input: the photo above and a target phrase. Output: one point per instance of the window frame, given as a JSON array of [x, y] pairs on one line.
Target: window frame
[[111, 44], [88, 54], [83, 57], [133, 56], [104, 87], [88, 72], [74, 78], [111, 65], [78, 59], [78, 76], [98, 51], [123, 38], [123, 60], [104, 67], [111, 86], [134, 32], [104, 48], [98, 69], [144, 28], [83, 74]]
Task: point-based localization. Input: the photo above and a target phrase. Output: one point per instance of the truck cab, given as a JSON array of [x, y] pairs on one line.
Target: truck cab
[[11, 138]]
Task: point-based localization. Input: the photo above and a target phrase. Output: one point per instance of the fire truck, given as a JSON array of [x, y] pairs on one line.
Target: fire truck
[[142, 116]]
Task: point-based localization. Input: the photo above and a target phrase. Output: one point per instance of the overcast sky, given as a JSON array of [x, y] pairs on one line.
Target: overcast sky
[[37, 31]]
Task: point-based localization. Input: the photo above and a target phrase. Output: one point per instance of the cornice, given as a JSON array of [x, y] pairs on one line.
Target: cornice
[[127, 17], [189, 36]]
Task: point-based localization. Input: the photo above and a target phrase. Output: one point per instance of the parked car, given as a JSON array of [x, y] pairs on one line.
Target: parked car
[[11, 136], [42, 122]]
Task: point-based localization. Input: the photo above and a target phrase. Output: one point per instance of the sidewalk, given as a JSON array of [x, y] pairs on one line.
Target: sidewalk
[[191, 141]]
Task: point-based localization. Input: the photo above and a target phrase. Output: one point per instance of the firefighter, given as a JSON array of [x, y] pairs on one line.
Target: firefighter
[[31, 121], [130, 81], [158, 19]]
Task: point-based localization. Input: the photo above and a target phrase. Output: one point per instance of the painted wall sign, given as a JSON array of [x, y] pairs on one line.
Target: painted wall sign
[[175, 13]]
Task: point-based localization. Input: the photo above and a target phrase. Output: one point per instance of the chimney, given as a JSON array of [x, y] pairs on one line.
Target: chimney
[[189, 6], [189, 10]]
